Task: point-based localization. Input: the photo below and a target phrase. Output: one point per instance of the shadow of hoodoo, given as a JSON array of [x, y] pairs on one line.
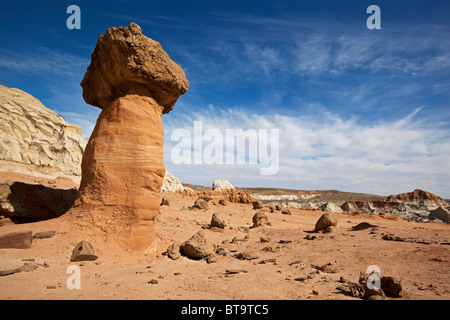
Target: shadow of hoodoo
[[23, 202]]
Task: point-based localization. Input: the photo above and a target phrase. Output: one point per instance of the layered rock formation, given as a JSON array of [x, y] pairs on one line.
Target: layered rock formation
[[231, 195], [32, 134], [133, 80]]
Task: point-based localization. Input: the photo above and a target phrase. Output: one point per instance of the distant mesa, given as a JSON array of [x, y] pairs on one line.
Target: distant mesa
[[414, 195]]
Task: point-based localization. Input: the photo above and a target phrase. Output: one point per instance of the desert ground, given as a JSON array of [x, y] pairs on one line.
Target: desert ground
[[285, 265]]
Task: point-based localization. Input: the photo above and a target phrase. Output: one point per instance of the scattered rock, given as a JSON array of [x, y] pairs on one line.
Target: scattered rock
[[362, 226], [391, 287], [16, 240], [197, 247], [27, 267], [264, 239], [259, 219], [173, 251], [272, 261], [7, 272], [83, 251], [44, 234], [248, 255], [217, 221], [153, 281], [206, 197], [211, 259], [222, 202], [327, 268], [235, 271], [164, 202], [310, 237], [325, 221], [389, 237], [221, 251], [257, 205], [201, 204], [286, 211]]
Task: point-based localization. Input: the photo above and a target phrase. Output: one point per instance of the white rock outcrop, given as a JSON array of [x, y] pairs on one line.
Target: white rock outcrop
[[219, 185], [171, 183], [33, 134]]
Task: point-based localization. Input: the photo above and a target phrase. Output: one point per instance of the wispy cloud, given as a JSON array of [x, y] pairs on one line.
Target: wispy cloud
[[327, 151], [43, 60]]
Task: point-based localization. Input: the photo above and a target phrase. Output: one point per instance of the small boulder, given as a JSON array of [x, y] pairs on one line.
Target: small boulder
[[248, 255], [259, 219], [16, 240], [173, 251], [201, 204], [222, 202], [391, 287], [217, 221], [325, 221], [286, 211], [164, 202], [83, 251], [44, 234], [197, 247], [257, 205]]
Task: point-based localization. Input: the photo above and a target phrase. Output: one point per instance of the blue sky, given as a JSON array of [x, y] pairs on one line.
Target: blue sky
[[358, 110]]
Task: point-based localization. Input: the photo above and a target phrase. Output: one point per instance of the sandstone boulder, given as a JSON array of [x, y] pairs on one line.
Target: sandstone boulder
[[83, 251], [259, 219], [257, 205], [217, 221], [173, 251], [16, 240], [201, 204], [197, 247], [325, 221]]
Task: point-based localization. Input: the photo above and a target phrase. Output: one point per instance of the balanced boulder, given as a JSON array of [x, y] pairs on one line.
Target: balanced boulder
[[134, 81]]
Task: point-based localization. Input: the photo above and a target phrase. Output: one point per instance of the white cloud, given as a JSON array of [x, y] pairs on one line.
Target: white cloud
[[326, 151]]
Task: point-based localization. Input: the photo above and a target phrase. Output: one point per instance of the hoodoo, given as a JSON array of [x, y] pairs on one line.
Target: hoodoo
[[134, 81]]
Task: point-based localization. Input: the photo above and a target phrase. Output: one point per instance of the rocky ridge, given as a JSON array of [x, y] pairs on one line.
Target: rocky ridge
[[34, 134]]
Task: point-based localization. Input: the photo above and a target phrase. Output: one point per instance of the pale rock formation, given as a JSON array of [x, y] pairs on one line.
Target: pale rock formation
[[171, 183], [30, 133], [331, 207], [219, 185], [133, 80]]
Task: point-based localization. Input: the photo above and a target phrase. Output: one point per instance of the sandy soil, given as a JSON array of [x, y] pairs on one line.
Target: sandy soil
[[423, 268]]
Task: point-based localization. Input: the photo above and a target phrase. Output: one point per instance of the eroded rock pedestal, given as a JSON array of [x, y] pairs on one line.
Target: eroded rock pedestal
[[133, 80]]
